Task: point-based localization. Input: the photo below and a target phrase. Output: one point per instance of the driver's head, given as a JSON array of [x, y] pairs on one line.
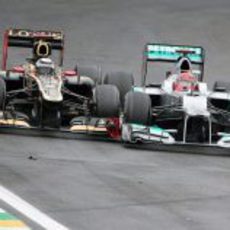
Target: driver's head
[[45, 66]]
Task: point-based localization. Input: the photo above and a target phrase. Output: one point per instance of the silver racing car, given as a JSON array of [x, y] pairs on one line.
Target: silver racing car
[[181, 110]]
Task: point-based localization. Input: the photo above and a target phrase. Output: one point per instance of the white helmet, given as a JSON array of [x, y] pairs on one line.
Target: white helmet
[[184, 64], [45, 66]]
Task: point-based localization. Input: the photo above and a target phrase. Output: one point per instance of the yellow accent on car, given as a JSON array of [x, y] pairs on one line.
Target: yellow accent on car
[[14, 122], [87, 128]]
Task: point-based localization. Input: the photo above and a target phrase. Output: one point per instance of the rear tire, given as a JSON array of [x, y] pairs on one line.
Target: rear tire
[[2, 93], [107, 100], [122, 80], [137, 108], [221, 86], [93, 72]]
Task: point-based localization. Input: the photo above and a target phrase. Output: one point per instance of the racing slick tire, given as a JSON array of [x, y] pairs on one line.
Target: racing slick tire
[[94, 72], [221, 86], [122, 80], [137, 108], [2, 93], [107, 101]]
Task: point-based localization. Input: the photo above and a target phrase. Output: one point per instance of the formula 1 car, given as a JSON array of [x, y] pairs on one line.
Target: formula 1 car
[[40, 94], [181, 110]]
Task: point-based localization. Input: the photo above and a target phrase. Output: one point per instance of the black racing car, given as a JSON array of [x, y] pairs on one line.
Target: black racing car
[[40, 94]]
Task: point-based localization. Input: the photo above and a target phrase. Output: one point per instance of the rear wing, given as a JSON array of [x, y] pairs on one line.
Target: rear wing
[[172, 53], [26, 38]]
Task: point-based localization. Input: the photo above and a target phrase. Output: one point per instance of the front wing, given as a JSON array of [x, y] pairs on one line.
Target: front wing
[[22, 127], [156, 138]]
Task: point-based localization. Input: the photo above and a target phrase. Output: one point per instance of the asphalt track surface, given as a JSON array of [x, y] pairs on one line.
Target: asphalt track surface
[[97, 185]]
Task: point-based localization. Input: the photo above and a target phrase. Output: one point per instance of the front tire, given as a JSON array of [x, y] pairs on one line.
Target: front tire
[[2, 93], [137, 108], [107, 101]]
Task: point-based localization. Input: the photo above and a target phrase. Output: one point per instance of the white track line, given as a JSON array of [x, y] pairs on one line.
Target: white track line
[[29, 211]]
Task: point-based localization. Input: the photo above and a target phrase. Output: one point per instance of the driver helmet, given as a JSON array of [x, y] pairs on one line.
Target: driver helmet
[[184, 65], [45, 66]]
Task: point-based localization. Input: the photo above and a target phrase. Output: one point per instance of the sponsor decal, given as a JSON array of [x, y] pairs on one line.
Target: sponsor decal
[[173, 49], [31, 34], [172, 53]]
